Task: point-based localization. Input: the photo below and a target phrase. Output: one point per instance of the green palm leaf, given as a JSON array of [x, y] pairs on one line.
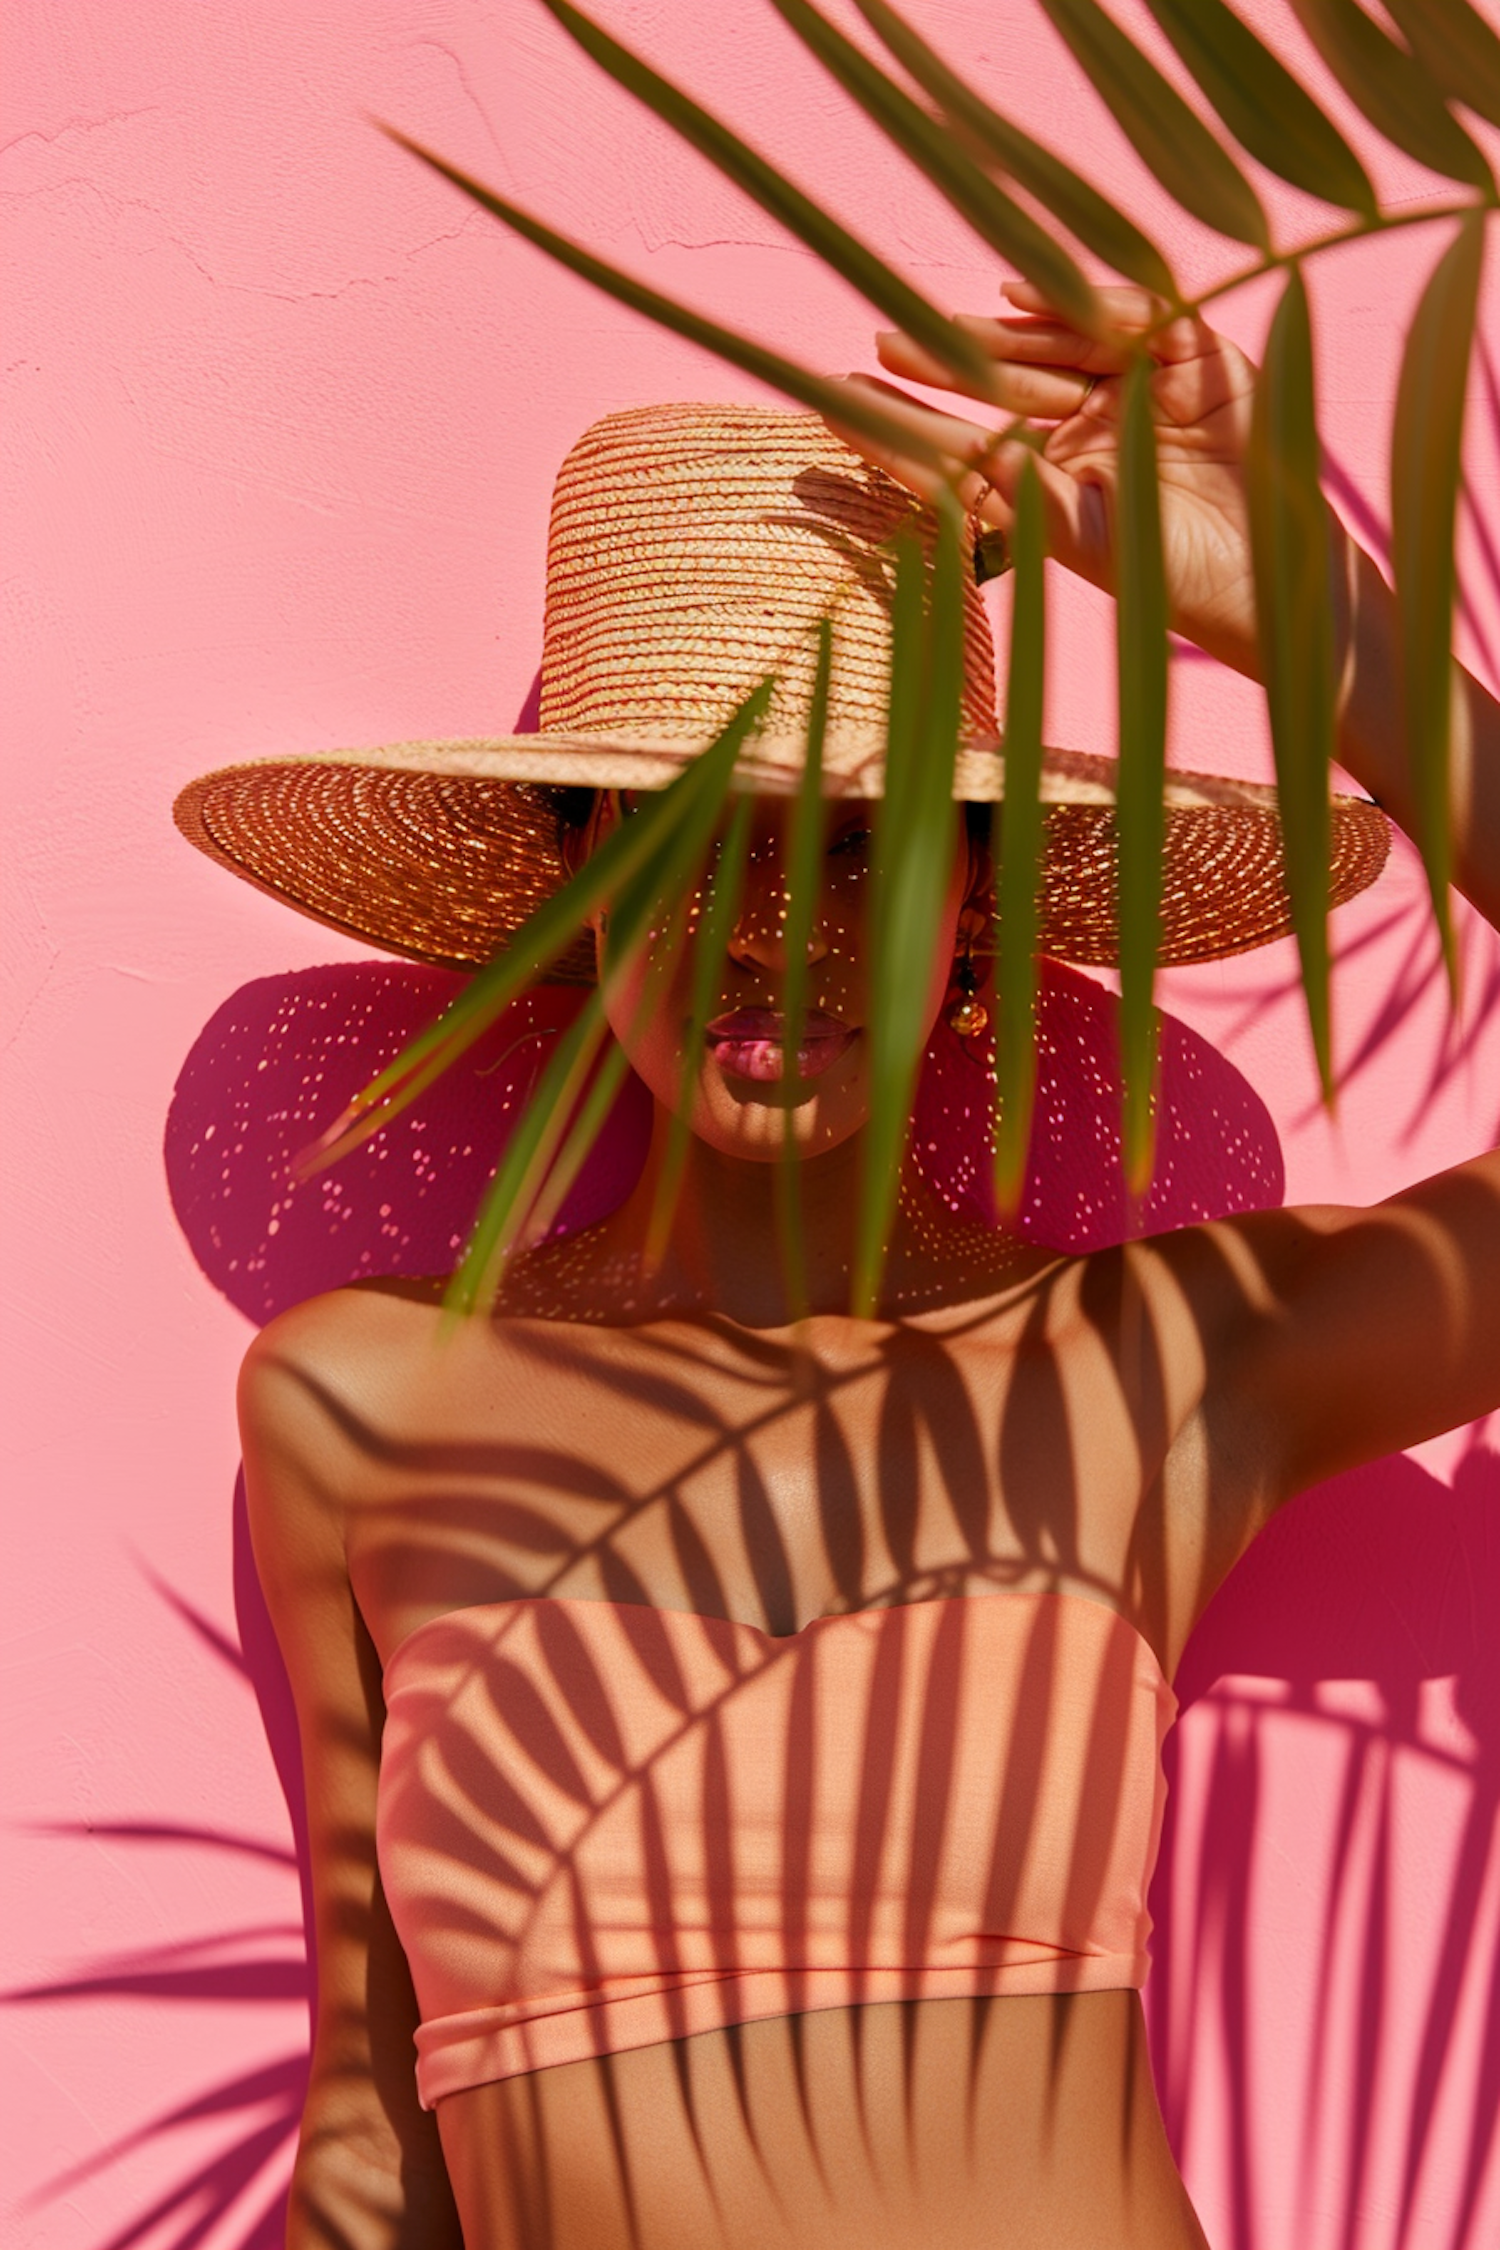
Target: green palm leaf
[[1294, 613], [527, 1157], [1141, 629], [1260, 101], [848, 256], [855, 409], [1078, 206], [1426, 465], [642, 852], [544, 1154], [995, 217], [804, 848], [1021, 835], [1460, 49], [914, 842], [660, 854], [540, 940], [1394, 90], [1169, 136], [563, 1167], [710, 949]]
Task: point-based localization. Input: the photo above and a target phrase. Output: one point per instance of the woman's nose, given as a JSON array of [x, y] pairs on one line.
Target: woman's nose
[[758, 939]]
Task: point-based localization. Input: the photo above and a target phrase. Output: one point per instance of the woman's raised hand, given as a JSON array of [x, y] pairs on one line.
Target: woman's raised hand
[[1051, 372]]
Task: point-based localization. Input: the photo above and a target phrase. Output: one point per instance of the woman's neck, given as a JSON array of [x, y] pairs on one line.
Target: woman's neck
[[725, 1246], [724, 1252]]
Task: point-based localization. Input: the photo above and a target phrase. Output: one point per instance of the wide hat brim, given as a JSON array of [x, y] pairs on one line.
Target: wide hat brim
[[439, 851]]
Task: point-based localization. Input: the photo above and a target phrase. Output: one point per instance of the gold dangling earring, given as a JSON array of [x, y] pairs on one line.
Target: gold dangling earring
[[967, 1016]]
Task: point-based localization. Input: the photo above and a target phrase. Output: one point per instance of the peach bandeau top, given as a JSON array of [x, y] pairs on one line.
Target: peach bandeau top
[[603, 1825]]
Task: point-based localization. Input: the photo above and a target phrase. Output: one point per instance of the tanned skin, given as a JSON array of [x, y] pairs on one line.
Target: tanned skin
[[1119, 1426]]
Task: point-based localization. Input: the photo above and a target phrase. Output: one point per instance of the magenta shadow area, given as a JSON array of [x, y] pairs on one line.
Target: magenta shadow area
[[1216, 1147], [284, 1055], [1340, 1695]]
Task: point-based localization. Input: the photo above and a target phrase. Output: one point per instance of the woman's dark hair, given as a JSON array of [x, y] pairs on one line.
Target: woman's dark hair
[[572, 808]]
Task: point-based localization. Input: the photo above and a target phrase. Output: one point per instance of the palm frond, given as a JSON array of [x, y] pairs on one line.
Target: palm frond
[[1142, 658], [1426, 465], [1394, 89], [588, 1121], [1071, 199], [1271, 116], [914, 844], [710, 948], [1294, 612], [527, 1158], [1018, 868], [634, 848], [995, 216], [559, 1125], [804, 846], [1460, 49], [1165, 132], [965, 150], [796, 211]]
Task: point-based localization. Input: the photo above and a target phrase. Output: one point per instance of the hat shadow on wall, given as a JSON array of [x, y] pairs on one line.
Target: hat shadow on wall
[[286, 1053]]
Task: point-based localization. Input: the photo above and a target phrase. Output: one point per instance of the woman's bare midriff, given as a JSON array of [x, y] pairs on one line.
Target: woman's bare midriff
[[1009, 2124]]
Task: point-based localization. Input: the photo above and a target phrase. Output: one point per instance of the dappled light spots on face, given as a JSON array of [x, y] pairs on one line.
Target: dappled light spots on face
[[704, 1010]]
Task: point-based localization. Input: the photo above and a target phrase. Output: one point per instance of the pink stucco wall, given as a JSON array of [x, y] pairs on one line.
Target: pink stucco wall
[[281, 420]]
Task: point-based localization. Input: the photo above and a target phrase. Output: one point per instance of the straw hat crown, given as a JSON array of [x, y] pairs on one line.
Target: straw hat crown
[[692, 551]]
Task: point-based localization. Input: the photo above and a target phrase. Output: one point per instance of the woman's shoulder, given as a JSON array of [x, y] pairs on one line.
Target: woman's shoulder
[[326, 1373], [339, 1326]]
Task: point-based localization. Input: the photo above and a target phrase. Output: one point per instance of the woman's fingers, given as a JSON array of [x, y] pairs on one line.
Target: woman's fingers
[[1028, 342], [954, 434], [1047, 393], [1130, 313], [1048, 372], [1075, 508], [1125, 305], [988, 472], [961, 440]]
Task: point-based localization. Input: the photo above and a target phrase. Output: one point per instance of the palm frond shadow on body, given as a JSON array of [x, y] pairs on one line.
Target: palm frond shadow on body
[[585, 1668]]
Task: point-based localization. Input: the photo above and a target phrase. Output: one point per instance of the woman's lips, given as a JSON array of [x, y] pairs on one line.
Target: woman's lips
[[751, 1042]]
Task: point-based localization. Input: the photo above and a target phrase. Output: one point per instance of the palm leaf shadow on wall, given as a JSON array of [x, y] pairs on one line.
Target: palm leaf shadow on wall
[[239, 2197]]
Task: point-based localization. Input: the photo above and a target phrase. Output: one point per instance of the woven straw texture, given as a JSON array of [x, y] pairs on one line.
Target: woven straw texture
[[692, 551]]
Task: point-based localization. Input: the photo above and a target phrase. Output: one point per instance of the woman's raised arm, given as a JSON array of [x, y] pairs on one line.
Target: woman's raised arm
[[1201, 392], [1326, 1336], [369, 2173]]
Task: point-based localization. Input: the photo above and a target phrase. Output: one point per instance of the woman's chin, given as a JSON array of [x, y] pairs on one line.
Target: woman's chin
[[748, 1117]]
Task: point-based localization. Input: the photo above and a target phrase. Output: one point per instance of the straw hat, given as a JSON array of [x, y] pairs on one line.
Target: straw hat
[[693, 549]]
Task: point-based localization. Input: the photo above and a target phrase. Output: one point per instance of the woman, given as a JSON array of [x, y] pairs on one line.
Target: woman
[[770, 1776]]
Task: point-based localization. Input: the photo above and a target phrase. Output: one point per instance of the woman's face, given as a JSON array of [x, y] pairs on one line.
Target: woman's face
[[734, 1091]]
